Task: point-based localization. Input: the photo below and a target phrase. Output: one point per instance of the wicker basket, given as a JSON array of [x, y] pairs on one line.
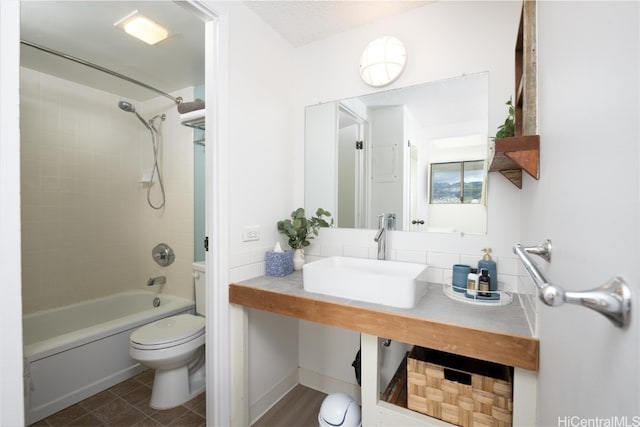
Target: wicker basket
[[458, 389]]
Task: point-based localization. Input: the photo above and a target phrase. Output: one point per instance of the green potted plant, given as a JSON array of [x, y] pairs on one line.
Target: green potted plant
[[508, 128], [300, 230]]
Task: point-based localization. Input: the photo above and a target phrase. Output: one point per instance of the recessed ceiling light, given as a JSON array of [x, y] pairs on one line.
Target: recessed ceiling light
[[144, 29]]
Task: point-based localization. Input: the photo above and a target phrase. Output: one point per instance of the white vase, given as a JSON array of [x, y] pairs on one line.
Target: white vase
[[298, 259]]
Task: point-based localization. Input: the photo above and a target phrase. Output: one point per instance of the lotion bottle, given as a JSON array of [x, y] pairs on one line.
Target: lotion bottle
[[490, 265], [472, 284]]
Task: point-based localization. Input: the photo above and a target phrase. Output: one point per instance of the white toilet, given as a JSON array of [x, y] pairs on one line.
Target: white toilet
[[174, 347]]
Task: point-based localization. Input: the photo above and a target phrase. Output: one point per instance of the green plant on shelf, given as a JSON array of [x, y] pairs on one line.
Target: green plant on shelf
[[508, 128]]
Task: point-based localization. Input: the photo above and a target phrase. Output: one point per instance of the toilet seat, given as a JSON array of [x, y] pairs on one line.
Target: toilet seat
[[168, 332]]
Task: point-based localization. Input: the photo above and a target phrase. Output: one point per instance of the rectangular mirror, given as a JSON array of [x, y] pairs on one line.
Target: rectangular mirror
[[419, 152]]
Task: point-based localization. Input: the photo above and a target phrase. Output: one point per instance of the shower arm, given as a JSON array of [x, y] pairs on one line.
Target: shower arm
[[177, 100]]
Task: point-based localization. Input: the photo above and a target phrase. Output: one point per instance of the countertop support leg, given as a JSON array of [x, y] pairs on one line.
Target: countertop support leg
[[239, 365], [370, 379]]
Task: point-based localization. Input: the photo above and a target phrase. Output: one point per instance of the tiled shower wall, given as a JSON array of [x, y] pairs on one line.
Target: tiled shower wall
[[87, 230]]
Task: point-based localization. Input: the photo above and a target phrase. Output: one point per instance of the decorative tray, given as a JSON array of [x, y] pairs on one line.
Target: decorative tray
[[494, 298]]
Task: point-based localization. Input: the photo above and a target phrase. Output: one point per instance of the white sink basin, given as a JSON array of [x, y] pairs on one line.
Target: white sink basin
[[388, 283]]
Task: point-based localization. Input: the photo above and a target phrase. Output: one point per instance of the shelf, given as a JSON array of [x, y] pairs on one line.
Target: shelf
[[194, 119], [522, 152], [197, 123], [515, 154]]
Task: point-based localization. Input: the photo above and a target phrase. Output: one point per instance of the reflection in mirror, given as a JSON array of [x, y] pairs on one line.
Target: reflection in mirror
[[388, 152], [446, 178]]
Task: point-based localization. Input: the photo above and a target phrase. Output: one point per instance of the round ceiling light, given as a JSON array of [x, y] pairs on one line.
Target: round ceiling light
[[382, 61]]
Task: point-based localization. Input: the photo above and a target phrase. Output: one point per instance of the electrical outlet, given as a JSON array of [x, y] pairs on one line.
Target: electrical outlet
[[250, 233]]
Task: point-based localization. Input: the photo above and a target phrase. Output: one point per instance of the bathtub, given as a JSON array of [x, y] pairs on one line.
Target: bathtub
[[76, 351]]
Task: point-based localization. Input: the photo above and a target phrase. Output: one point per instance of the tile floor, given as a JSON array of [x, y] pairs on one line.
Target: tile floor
[[127, 404]]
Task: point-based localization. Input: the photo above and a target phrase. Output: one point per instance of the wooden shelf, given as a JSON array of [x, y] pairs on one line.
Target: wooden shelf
[[512, 155]]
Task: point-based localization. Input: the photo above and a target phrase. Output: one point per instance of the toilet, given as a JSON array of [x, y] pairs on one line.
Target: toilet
[[174, 347]]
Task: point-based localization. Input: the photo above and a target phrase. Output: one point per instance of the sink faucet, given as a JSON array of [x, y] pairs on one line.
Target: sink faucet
[[385, 222], [160, 280]]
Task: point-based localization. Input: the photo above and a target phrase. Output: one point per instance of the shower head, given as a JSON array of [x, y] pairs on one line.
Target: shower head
[[129, 108], [126, 106]]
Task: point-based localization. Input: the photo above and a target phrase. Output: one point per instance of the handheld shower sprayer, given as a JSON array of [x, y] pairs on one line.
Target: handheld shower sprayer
[[129, 108]]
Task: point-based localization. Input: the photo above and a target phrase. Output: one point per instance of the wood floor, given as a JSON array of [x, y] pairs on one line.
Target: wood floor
[[299, 408]]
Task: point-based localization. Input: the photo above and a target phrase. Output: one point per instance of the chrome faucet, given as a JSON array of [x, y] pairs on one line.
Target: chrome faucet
[[385, 222], [160, 280]]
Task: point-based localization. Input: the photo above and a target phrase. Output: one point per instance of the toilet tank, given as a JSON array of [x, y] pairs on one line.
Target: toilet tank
[[200, 283]]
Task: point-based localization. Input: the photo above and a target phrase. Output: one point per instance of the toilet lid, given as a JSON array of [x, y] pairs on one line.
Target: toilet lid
[[169, 331]]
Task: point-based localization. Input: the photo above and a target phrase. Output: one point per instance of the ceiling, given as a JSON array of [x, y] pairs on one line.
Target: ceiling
[[302, 22], [84, 29]]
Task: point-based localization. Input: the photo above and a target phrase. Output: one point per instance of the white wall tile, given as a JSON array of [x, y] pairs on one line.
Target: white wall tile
[[442, 260], [80, 163]]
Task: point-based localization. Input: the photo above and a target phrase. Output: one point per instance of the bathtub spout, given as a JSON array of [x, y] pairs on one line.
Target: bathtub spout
[[160, 280]]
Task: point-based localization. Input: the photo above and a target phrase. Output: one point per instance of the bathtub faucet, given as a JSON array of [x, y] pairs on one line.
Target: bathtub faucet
[[160, 280]]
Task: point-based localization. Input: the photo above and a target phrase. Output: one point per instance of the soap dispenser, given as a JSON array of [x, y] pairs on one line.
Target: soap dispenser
[[489, 264]]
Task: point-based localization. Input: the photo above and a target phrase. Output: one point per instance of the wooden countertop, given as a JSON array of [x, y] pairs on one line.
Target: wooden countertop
[[495, 334]]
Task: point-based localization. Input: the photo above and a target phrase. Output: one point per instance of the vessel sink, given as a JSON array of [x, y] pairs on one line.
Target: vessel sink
[[388, 283]]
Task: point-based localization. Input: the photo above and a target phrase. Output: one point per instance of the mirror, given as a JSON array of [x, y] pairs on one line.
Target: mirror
[[373, 154]]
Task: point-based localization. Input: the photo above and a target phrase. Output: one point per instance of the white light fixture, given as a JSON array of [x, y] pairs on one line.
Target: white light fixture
[[382, 61], [143, 28]]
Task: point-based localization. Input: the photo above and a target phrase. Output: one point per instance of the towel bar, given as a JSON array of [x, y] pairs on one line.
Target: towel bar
[[612, 299]]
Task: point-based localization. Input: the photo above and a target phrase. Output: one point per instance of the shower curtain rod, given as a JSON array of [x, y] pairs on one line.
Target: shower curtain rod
[[177, 100]]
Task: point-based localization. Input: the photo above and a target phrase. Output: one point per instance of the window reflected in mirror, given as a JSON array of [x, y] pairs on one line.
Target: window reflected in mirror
[[457, 182]]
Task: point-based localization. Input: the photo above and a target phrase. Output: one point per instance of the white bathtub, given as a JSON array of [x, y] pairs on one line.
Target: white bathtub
[[76, 351]]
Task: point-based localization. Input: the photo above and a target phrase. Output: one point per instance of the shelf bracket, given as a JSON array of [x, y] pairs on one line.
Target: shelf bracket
[[515, 154]]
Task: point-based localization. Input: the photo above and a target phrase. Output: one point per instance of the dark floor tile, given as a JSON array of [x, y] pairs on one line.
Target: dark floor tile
[[137, 395], [190, 419], [148, 422], [165, 416], [196, 401], [127, 404], [128, 418], [88, 420], [66, 416], [200, 409], [112, 410], [143, 406], [97, 400], [146, 377], [125, 387]]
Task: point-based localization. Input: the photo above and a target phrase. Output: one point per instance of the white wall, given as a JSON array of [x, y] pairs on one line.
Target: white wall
[[261, 179], [87, 230], [587, 203]]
